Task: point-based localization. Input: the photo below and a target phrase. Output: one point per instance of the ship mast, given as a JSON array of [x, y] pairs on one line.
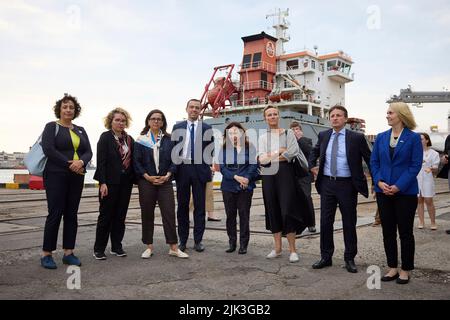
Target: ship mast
[[280, 25]]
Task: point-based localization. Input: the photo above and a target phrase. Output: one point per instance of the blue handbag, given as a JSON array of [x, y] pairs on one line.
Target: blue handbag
[[35, 160]]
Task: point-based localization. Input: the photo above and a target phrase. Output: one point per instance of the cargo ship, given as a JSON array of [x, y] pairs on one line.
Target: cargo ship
[[302, 85]]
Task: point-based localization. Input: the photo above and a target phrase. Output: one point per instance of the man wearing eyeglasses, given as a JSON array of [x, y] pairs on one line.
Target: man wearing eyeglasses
[[193, 152]]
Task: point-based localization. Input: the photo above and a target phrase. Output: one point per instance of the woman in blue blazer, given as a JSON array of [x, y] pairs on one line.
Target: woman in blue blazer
[[239, 170], [396, 160], [154, 170]]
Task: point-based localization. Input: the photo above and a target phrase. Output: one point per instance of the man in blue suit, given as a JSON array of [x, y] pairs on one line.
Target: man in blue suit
[[340, 177], [192, 153]]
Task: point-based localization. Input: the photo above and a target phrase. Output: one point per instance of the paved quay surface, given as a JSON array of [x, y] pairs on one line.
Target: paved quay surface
[[212, 274]]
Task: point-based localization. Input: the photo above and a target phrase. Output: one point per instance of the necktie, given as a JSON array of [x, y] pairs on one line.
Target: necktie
[[334, 151], [192, 138]]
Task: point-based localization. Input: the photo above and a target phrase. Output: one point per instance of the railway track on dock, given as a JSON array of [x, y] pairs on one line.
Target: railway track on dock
[[86, 200]]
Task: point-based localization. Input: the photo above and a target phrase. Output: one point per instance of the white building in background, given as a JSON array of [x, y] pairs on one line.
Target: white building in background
[[12, 160]]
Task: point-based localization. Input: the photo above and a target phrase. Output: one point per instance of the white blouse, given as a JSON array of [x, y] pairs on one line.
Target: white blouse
[[272, 142], [426, 179]]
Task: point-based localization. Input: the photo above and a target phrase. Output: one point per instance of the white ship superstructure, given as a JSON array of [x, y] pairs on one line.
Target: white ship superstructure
[[303, 85]]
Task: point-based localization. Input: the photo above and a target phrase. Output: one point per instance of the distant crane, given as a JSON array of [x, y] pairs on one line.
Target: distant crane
[[418, 97]]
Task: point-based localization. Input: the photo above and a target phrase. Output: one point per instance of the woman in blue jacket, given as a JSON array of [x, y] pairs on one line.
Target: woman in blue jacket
[[154, 170], [396, 160], [239, 170]]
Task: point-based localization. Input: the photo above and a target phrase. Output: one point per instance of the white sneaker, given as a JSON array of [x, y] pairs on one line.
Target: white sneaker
[[273, 254], [178, 253], [147, 254], [293, 257]]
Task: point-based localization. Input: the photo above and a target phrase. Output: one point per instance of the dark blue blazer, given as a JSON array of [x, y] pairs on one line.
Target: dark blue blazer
[[403, 168], [59, 149], [357, 149], [243, 164], [204, 139], [144, 162]]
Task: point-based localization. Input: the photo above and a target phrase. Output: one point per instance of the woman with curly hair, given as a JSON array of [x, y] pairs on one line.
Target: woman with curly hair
[[68, 150], [115, 174]]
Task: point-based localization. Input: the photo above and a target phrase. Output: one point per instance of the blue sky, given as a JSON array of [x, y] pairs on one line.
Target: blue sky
[[157, 54]]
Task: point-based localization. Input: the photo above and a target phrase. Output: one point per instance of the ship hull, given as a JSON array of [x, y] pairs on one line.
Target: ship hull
[[254, 122]]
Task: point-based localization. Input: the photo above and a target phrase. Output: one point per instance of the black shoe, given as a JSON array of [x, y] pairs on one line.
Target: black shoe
[[214, 219], [447, 231], [389, 278], [242, 250], [350, 266], [182, 247], [402, 281], [99, 255], [312, 229], [119, 252], [322, 263], [199, 247], [232, 248]]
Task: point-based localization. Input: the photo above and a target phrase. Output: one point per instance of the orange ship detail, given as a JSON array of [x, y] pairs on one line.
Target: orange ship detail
[[218, 96]]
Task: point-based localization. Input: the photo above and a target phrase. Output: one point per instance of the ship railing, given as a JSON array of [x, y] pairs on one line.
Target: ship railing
[[258, 65], [259, 84], [295, 69], [301, 97], [283, 68], [251, 102], [261, 101]]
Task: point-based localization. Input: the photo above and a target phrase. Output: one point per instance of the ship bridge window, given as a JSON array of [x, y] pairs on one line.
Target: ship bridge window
[[292, 64], [346, 68], [338, 65], [246, 61], [332, 65], [256, 60]]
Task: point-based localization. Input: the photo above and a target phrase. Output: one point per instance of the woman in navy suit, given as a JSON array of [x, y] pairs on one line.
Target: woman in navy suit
[[239, 170], [68, 150], [155, 169], [115, 175], [396, 160]]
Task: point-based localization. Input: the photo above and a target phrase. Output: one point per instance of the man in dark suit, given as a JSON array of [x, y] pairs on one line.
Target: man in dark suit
[[192, 154], [305, 144], [340, 177]]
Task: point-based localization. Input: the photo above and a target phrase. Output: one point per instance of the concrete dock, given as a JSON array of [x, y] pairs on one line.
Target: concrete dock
[[213, 274]]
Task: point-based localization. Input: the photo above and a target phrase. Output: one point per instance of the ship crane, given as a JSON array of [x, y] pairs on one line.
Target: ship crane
[[419, 97], [217, 96], [409, 96]]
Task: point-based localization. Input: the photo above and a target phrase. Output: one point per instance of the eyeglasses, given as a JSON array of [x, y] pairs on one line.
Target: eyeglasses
[[156, 119]]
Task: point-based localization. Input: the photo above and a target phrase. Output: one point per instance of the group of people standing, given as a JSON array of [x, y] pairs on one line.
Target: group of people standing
[[186, 155]]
